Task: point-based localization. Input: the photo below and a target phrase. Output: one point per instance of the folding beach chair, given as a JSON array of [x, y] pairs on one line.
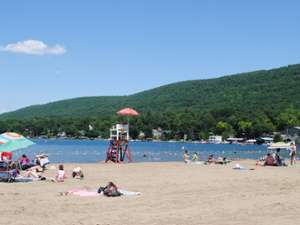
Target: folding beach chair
[[5, 174]]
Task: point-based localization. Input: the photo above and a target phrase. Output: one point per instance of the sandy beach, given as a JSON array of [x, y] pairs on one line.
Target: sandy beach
[[172, 193]]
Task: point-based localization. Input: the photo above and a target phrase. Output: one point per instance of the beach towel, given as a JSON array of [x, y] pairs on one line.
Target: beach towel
[[21, 179], [129, 193], [94, 193], [83, 192], [197, 162], [239, 167]]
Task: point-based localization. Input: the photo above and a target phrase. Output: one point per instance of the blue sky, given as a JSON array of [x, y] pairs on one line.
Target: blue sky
[[52, 50]]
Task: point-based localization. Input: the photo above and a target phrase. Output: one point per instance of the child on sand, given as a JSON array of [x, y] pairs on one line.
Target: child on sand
[[60, 175], [77, 173]]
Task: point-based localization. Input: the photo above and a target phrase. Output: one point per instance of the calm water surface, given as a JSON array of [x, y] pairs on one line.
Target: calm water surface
[[87, 151]]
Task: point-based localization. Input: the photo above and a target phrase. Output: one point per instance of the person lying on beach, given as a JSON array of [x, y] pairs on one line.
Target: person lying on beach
[[186, 157], [60, 175], [110, 190], [77, 173], [210, 159], [222, 160], [36, 173]]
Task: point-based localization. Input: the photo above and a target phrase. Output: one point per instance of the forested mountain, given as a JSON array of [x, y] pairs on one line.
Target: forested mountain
[[244, 105], [266, 90]]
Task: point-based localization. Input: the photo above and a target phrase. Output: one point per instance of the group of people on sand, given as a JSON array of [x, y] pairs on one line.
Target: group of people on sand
[[210, 158], [220, 160], [37, 173], [276, 160], [186, 157], [31, 168], [25, 163], [34, 169]]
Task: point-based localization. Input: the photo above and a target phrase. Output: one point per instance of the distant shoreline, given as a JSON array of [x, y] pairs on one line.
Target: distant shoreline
[[137, 140]]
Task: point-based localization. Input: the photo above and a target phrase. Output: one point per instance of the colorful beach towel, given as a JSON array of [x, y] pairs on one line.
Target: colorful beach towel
[[239, 167], [94, 193], [21, 179], [83, 192], [129, 193]]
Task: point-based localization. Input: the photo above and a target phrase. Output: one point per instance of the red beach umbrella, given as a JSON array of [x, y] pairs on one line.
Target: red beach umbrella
[[127, 112]]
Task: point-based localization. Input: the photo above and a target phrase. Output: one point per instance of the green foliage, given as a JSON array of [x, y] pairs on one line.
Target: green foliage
[[224, 129], [245, 105], [277, 138], [289, 118]]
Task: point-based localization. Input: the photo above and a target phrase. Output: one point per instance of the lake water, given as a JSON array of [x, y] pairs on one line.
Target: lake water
[[87, 151]]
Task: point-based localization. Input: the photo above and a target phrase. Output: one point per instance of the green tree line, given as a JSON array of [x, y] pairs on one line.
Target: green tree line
[[195, 124]]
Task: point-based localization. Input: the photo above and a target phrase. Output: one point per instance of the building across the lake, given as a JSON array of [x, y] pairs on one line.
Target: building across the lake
[[293, 133], [215, 139], [157, 133]]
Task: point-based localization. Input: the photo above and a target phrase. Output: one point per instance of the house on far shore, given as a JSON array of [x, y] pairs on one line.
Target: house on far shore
[[233, 140], [157, 133], [61, 134], [142, 135], [215, 139], [293, 133]]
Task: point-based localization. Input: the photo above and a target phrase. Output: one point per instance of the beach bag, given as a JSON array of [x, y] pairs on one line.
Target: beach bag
[[5, 174]]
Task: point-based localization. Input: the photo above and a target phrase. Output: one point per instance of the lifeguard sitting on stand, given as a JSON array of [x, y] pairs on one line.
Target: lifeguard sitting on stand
[[119, 135], [118, 146]]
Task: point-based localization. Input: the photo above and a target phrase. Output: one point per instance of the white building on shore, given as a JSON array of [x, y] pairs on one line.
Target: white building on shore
[[215, 139]]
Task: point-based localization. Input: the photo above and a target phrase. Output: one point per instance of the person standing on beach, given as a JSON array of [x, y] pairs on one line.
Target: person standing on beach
[[186, 157], [293, 151]]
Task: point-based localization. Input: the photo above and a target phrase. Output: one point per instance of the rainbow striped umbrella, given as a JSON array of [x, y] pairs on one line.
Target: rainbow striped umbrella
[[10, 141]]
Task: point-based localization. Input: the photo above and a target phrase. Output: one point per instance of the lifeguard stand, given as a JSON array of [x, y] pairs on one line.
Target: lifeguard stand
[[118, 146], [119, 132]]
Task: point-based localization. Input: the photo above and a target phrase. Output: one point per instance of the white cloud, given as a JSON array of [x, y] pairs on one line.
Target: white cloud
[[33, 47]]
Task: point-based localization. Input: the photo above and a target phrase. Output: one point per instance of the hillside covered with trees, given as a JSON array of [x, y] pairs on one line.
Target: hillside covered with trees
[[247, 104]]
